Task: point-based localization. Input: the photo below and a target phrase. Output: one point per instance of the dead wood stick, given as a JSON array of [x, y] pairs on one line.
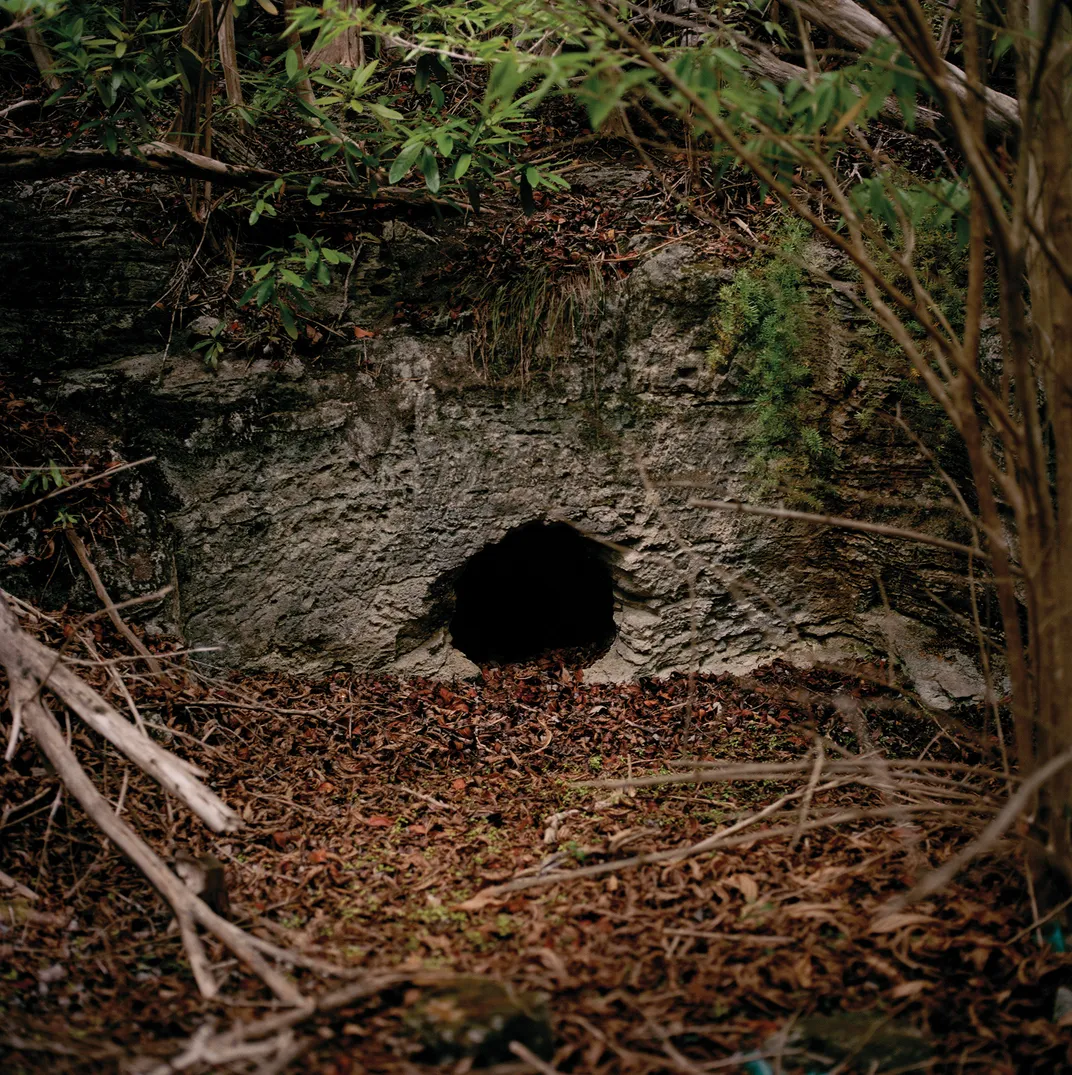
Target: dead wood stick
[[117, 680], [77, 485], [46, 162], [268, 1036], [986, 840], [481, 899], [881, 529], [809, 793], [174, 774], [530, 1058], [118, 622], [258, 707], [719, 842], [18, 106], [25, 696], [17, 887]]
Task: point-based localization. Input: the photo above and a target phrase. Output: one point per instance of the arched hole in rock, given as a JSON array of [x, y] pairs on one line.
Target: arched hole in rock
[[543, 587]]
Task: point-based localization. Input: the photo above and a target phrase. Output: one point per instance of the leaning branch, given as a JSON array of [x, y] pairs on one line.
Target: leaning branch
[[158, 158], [188, 908], [118, 622], [881, 529], [856, 25], [25, 657]]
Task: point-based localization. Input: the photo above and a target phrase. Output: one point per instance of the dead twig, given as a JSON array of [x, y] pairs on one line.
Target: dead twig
[[986, 840], [77, 485], [881, 529], [27, 658], [118, 622]]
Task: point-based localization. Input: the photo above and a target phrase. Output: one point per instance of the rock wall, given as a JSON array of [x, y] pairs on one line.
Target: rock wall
[[316, 514]]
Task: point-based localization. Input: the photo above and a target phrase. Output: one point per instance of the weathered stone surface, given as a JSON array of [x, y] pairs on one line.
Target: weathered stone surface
[[81, 275], [318, 512]]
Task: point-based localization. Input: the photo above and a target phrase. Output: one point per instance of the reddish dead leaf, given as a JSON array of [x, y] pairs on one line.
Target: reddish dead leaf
[[363, 333], [378, 821], [318, 856], [281, 839], [482, 899], [458, 784]]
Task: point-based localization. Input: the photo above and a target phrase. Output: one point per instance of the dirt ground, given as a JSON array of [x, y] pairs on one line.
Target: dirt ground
[[381, 815]]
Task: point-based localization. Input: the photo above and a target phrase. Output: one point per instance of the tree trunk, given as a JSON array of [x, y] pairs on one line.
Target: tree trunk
[[41, 56], [1046, 103], [346, 50], [229, 60]]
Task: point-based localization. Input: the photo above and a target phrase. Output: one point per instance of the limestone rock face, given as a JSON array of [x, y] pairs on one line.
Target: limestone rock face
[[317, 513]]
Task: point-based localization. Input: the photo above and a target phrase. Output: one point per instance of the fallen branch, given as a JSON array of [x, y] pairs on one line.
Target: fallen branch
[[881, 529], [856, 25], [493, 892], [21, 654], [61, 490], [139, 647], [160, 158], [272, 1037], [31, 667], [11, 885], [26, 700], [986, 840]]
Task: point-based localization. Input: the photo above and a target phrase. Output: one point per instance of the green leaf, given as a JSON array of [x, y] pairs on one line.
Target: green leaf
[[461, 165], [600, 98], [905, 84], [444, 143], [292, 64], [383, 111], [188, 67], [403, 162], [289, 324], [472, 188], [528, 202], [1002, 44], [505, 79], [430, 170], [428, 67], [438, 99]]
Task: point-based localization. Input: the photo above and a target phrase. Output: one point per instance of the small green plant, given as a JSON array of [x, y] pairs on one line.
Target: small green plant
[[213, 346], [286, 279], [575, 851], [121, 67], [44, 479], [521, 323], [762, 325]]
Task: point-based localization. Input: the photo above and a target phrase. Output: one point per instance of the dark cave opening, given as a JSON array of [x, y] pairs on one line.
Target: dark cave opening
[[543, 587]]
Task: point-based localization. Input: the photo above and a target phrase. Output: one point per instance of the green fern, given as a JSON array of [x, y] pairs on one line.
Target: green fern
[[761, 325]]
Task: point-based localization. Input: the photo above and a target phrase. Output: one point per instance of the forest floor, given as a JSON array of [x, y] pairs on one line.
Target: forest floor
[[380, 815]]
